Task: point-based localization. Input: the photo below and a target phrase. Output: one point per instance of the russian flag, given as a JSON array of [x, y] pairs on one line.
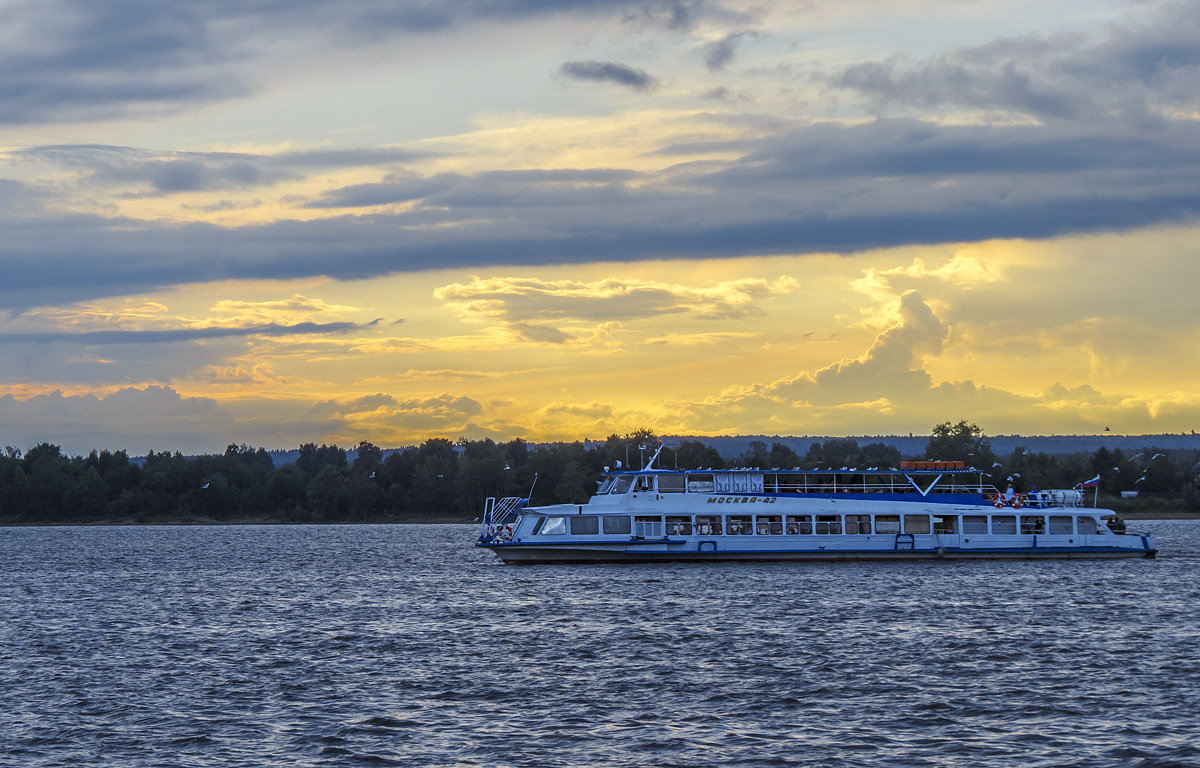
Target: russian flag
[[1095, 481]]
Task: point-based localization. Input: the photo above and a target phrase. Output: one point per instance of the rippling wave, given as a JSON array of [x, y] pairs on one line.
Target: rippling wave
[[404, 645]]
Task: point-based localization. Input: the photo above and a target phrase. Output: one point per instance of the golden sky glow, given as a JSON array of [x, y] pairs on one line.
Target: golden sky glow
[[561, 222]]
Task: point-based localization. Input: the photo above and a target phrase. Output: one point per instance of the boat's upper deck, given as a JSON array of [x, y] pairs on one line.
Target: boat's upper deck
[[928, 478]]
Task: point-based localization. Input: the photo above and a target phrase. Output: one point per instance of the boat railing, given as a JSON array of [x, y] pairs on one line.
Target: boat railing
[[1052, 499], [883, 484]]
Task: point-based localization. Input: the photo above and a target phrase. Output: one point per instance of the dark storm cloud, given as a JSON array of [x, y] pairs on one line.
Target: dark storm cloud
[[73, 60], [92, 338], [608, 71], [1142, 69]]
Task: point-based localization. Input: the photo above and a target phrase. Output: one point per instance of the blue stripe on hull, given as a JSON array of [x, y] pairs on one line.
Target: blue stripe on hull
[[538, 554]]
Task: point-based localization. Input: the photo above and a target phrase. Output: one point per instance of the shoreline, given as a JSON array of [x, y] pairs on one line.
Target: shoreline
[[239, 521], [450, 520]]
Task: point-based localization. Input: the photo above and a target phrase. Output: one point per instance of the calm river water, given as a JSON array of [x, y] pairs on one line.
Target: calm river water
[[404, 645]]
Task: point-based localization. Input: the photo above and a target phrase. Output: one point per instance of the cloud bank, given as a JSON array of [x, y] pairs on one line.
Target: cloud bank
[[815, 188]]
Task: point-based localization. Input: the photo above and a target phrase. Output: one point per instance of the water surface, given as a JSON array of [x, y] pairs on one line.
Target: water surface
[[404, 645]]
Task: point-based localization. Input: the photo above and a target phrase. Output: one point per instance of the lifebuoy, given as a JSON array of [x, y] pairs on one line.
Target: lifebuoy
[[998, 502], [505, 533], [1018, 501]]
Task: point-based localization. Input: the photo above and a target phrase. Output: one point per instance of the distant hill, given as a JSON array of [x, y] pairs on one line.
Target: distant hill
[[908, 445], [914, 445]]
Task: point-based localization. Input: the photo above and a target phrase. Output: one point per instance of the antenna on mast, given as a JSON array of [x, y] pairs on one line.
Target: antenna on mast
[[650, 464]]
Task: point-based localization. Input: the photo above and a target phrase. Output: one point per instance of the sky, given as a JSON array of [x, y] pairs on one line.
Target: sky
[[270, 222]]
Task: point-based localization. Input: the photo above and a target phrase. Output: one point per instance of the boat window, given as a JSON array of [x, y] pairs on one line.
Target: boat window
[[1087, 525], [975, 524], [605, 485], [1033, 524], [554, 526], [679, 525], [789, 483], [829, 523], [768, 525], [700, 483], [648, 527], [644, 483], [584, 524], [945, 523], [708, 525], [1004, 524], [916, 523], [887, 523], [858, 523], [670, 483], [622, 484], [616, 524], [738, 525], [1061, 524], [537, 526], [799, 524]]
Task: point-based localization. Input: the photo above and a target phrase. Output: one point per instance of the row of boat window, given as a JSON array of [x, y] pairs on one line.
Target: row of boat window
[[657, 526], [772, 483]]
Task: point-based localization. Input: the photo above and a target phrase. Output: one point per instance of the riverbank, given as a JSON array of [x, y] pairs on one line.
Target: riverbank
[[1166, 514], [432, 520]]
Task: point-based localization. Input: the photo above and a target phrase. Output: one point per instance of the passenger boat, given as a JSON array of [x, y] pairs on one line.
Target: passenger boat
[[921, 510]]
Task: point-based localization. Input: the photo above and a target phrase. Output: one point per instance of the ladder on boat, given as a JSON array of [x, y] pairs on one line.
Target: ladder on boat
[[502, 512]]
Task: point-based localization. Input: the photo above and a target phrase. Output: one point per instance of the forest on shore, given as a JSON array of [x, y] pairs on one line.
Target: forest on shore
[[442, 479]]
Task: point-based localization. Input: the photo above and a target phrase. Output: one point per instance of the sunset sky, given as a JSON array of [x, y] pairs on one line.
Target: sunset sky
[[273, 222]]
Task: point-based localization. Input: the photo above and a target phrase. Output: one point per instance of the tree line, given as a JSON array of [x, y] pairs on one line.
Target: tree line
[[441, 479]]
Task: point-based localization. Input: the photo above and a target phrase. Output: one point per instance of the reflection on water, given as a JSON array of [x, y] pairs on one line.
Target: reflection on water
[[404, 645]]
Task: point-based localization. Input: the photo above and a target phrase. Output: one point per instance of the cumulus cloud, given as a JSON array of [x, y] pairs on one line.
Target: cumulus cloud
[[890, 387], [608, 71], [891, 368]]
